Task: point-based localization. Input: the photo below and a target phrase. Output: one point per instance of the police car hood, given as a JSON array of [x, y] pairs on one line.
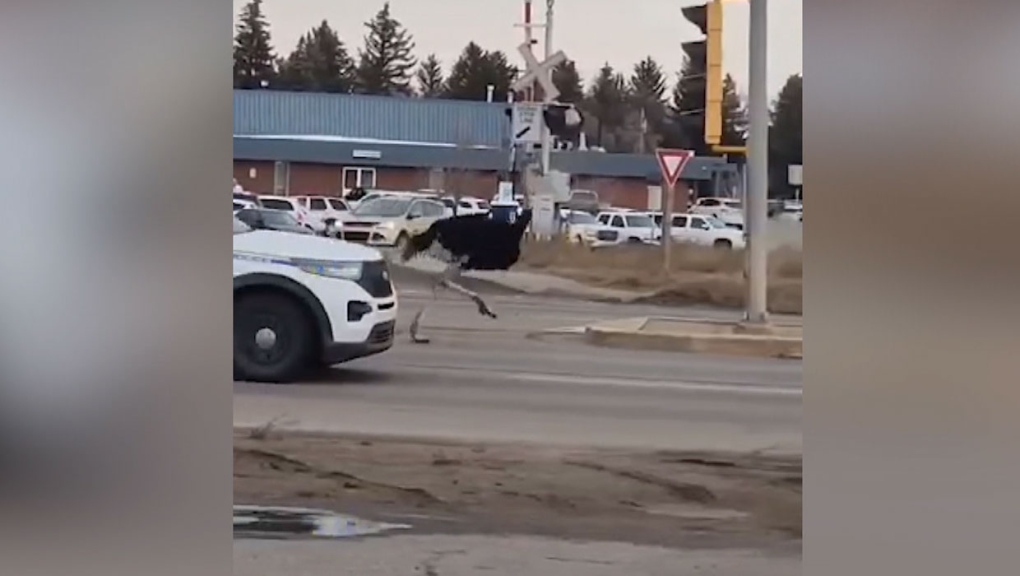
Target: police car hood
[[286, 245]]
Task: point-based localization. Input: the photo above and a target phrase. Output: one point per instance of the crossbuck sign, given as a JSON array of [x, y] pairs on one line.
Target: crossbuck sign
[[538, 71]]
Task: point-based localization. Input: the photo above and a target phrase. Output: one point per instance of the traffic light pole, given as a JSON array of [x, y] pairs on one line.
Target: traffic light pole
[[757, 165], [546, 136]]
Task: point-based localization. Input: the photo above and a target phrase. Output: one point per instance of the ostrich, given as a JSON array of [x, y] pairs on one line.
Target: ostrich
[[473, 242]]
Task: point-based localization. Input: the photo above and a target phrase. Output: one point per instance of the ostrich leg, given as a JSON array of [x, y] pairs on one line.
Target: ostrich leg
[[450, 271], [415, 338], [448, 282]]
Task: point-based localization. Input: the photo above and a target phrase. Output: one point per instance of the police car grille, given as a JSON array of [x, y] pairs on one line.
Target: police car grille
[[382, 333]]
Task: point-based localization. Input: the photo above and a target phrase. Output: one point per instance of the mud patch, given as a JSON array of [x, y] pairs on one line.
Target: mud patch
[[671, 499]]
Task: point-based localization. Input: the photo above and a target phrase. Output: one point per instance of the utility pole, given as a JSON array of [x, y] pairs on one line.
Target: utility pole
[[757, 166], [546, 137], [529, 37]]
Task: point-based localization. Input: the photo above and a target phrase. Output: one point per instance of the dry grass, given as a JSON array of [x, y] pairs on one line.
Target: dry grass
[[697, 275]]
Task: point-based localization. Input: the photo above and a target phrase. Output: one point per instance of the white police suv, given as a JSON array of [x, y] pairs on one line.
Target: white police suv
[[303, 301]]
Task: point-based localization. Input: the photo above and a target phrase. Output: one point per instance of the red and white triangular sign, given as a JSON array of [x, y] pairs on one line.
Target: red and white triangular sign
[[672, 162]]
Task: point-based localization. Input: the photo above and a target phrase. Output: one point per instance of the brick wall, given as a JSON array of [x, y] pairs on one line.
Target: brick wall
[[262, 183], [627, 192], [327, 179]]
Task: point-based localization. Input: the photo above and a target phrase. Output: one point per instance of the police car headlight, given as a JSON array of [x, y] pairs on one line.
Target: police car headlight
[[341, 270]]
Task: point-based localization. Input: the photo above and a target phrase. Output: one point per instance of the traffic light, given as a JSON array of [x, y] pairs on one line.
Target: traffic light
[[706, 64]]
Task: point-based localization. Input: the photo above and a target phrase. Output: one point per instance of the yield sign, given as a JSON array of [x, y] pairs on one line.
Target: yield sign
[[672, 162]]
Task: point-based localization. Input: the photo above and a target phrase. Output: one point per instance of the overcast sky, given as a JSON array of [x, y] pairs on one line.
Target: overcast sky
[[591, 32]]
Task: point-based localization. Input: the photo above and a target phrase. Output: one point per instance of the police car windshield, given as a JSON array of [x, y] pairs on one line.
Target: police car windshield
[[240, 227]]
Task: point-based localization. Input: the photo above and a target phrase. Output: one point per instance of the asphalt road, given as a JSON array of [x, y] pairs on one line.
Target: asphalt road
[[438, 555], [483, 380]]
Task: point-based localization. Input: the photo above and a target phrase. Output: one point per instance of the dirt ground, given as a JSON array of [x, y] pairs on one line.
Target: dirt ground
[[659, 498], [698, 275]]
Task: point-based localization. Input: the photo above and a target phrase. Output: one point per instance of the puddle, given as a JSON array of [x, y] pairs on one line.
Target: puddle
[[283, 522]]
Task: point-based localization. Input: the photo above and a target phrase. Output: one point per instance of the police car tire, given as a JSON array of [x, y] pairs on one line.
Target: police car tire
[[292, 353]]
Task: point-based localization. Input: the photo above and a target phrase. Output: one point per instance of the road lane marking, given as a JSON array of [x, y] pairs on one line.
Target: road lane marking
[[658, 384], [617, 382]]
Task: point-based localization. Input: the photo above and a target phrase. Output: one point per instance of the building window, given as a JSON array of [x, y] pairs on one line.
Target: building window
[[281, 178], [355, 177]]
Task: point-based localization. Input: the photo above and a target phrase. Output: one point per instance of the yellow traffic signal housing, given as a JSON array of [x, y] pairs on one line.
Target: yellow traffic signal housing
[[713, 73]]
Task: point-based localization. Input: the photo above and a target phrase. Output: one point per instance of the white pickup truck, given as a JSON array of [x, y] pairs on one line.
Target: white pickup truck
[[634, 227], [729, 211], [705, 231]]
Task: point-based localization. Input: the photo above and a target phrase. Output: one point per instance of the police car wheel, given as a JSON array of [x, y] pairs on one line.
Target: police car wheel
[[274, 338]]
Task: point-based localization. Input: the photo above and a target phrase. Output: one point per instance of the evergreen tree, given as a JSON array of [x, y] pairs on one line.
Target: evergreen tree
[[647, 83], [293, 71], [386, 62], [254, 60], [501, 74], [431, 83], [605, 103], [568, 82], [786, 136], [734, 116], [475, 70], [320, 63], [687, 112], [646, 106]]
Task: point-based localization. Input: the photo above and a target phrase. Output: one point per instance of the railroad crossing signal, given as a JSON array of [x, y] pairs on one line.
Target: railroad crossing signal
[[705, 58], [538, 71], [526, 122]]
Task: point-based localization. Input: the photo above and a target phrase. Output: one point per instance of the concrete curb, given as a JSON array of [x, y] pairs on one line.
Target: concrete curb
[[692, 336], [723, 345]]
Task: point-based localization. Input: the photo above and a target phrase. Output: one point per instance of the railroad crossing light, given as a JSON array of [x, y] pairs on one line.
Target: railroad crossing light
[[565, 122], [706, 63]]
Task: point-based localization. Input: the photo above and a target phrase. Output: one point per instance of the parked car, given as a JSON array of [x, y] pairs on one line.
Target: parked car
[[390, 221], [584, 201], [269, 219], [302, 302], [468, 205], [322, 210], [246, 197], [633, 227], [449, 203], [583, 228], [290, 204], [729, 210], [705, 231], [243, 204]]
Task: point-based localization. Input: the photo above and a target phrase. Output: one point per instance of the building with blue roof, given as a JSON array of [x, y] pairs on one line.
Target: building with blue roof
[[316, 143]]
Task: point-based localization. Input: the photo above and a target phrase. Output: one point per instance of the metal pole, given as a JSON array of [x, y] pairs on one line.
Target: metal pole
[[757, 165], [667, 225], [529, 37], [546, 137]]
